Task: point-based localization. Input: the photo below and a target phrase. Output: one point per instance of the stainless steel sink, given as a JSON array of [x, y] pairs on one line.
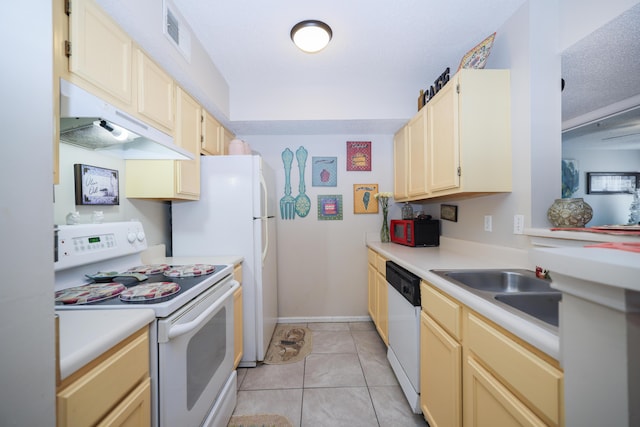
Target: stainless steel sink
[[516, 290], [498, 280]]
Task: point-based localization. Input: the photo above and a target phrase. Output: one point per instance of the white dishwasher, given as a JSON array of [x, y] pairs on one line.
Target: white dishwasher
[[404, 331]]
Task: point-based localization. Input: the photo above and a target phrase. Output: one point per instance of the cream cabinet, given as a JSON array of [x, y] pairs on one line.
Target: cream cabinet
[[100, 53], [171, 179], [400, 164], [507, 382], [156, 91], [417, 158], [440, 358], [238, 347], [113, 390], [459, 144], [378, 296], [474, 373], [215, 137], [469, 134]]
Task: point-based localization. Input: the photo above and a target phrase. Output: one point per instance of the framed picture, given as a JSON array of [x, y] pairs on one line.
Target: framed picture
[[330, 207], [612, 182], [96, 186], [358, 155], [324, 171], [449, 212], [363, 200]]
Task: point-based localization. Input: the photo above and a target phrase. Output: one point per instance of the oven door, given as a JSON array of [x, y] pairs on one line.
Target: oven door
[[195, 356]]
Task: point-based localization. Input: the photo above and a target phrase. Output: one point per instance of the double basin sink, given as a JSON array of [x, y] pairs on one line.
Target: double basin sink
[[517, 290]]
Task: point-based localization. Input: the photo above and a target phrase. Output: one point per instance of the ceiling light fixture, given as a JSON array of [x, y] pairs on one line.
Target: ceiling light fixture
[[311, 36]]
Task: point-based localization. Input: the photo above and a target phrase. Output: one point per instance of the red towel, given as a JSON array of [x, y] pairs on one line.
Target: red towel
[[624, 246]]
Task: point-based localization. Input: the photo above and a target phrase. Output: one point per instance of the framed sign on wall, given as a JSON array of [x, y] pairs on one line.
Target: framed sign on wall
[[95, 185]]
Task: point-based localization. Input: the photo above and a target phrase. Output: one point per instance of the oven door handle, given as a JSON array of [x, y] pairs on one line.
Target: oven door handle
[[177, 330]]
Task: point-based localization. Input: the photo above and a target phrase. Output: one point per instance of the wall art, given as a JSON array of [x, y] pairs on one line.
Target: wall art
[[358, 155], [363, 200], [477, 57], [324, 171], [330, 207], [612, 182], [449, 212], [96, 186]]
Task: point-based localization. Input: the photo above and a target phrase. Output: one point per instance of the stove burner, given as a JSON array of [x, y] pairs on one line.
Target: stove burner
[[150, 292], [189, 270], [149, 269], [87, 294]]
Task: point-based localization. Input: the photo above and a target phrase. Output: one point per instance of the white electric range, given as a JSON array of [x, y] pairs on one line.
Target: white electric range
[[99, 267]]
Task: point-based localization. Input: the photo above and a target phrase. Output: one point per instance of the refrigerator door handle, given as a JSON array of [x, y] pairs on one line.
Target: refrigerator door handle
[[263, 214]]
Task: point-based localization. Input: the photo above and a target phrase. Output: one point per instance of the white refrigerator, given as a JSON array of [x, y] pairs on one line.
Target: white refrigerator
[[236, 216]]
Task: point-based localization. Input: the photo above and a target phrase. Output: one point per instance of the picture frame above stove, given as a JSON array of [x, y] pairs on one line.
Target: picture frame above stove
[[95, 185]]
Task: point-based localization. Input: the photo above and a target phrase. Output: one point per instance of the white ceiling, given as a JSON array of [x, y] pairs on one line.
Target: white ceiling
[[382, 53]]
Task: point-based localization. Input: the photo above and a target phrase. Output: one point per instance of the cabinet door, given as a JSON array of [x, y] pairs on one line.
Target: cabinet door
[[212, 143], [372, 291], [100, 51], [133, 411], [227, 137], [155, 93], [440, 375], [400, 164], [382, 307], [417, 128], [488, 403], [443, 139], [188, 131], [237, 327]]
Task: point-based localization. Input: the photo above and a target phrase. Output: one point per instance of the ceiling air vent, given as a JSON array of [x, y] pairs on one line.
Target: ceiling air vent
[[176, 31]]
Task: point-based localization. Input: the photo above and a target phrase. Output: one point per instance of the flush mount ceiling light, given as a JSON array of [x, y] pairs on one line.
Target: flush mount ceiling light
[[311, 36]]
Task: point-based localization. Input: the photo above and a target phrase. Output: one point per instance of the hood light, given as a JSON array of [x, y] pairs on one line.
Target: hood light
[[118, 133]]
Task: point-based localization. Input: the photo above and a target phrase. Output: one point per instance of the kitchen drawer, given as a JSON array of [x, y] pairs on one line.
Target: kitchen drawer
[[442, 309], [372, 255], [381, 265], [89, 397], [537, 383]]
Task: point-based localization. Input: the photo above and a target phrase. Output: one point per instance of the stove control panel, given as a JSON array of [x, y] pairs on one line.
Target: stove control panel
[[83, 244]]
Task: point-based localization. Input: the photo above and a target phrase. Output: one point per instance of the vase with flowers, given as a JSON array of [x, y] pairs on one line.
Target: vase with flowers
[[383, 199]]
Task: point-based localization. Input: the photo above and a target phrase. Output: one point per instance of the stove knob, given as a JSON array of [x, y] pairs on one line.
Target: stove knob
[[140, 236], [131, 237]]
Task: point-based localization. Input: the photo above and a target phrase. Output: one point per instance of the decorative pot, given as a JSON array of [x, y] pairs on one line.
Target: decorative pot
[[569, 213]]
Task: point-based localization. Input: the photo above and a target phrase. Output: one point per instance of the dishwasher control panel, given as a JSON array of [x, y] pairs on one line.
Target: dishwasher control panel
[[405, 282]]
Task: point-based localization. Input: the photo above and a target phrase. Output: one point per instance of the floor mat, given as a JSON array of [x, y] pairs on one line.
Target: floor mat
[[289, 344]]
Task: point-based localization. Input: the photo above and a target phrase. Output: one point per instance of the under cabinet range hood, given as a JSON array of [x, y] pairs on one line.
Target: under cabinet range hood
[[89, 122]]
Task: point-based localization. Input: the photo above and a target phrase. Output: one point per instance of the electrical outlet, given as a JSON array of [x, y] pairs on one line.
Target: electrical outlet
[[518, 224], [487, 223]]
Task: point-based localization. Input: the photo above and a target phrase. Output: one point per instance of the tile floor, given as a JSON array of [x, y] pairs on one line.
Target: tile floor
[[345, 381]]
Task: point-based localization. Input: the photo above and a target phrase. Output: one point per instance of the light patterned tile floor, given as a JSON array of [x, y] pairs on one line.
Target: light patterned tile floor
[[346, 380]]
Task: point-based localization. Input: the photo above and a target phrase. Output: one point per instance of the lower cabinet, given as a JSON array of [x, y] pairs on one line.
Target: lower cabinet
[[112, 390], [474, 373], [378, 300]]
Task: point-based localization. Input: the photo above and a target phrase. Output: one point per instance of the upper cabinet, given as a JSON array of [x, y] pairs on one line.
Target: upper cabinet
[[215, 137], [466, 134], [171, 179], [100, 52], [155, 93]]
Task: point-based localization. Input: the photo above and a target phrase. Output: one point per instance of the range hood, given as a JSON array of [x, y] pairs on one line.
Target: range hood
[[89, 122]]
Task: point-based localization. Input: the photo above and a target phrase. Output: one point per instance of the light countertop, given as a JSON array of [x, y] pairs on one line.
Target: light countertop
[[86, 334], [456, 254]]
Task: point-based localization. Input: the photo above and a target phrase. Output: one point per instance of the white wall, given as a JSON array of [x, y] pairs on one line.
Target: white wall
[[153, 214], [27, 375], [322, 265]]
